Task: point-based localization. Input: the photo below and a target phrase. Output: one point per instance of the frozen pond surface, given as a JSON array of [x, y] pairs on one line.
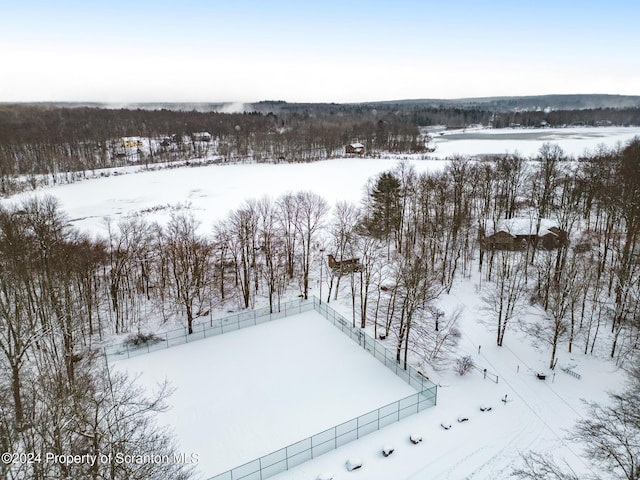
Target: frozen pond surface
[[573, 140]]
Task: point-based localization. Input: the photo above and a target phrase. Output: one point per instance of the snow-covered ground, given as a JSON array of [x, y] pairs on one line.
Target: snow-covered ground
[[536, 417], [231, 372], [248, 393], [210, 192], [527, 141]]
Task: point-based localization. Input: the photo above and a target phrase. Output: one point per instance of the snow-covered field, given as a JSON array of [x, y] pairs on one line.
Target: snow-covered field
[[210, 192], [248, 393]]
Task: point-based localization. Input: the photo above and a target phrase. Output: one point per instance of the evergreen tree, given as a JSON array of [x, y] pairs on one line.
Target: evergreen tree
[[385, 208]]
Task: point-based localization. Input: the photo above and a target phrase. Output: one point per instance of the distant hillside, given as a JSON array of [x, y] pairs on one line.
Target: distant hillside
[[530, 103], [495, 104], [492, 104]]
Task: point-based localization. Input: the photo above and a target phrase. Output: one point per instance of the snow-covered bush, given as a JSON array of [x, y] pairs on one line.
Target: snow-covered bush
[[140, 338], [464, 364]]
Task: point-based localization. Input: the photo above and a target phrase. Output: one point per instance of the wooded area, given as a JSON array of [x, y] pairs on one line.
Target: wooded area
[[63, 293], [49, 144]]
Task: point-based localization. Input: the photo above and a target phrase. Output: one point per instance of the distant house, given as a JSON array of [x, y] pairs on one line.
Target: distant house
[[355, 148], [201, 137], [345, 265], [130, 142], [519, 233]]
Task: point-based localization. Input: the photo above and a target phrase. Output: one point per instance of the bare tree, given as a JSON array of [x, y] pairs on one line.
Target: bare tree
[[564, 292], [436, 346], [130, 260], [417, 289], [188, 261], [288, 217], [505, 296], [272, 252], [537, 466], [243, 245], [343, 234], [311, 212]]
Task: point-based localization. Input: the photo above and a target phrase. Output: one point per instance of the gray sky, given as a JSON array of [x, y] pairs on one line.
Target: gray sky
[[340, 51]]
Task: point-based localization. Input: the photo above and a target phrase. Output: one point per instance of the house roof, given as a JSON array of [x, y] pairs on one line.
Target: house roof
[[522, 226], [357, 145]]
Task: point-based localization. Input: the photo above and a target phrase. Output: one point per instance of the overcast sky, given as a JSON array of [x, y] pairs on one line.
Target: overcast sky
[[320, 51]]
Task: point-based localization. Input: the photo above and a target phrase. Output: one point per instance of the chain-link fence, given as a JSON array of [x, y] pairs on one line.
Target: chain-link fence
[[206, 330], [323, 442], [411, 375]]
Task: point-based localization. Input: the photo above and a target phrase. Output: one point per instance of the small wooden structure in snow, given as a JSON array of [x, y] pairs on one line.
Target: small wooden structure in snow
[[355, 148], [344, 266]]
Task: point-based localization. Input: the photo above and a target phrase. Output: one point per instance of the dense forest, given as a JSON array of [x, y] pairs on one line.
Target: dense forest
[[63, 294]]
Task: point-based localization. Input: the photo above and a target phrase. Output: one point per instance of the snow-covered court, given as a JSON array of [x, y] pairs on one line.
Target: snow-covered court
[[244, 394]]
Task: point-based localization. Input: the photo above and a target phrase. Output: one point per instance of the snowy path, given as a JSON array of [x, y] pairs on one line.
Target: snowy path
[[487, 447]]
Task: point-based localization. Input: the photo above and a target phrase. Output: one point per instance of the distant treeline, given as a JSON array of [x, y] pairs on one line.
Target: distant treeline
[[43, 140], [56, 142], [557, 118]]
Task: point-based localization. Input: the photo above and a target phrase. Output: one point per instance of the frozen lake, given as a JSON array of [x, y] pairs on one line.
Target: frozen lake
[[211, 192], [527, 141]]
